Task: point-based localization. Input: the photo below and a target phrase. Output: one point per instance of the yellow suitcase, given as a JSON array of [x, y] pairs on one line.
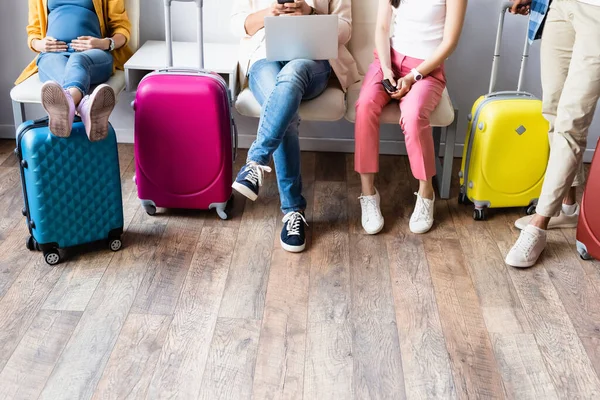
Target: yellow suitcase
[[506, 148]]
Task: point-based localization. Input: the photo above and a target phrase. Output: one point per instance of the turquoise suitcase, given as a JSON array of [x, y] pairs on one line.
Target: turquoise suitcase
[[71, 189]]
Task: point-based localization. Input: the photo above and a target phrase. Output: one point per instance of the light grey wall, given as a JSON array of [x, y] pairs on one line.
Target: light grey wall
[[467, 69]]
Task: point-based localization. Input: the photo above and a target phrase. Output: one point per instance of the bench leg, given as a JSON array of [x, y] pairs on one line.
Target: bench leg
[[18, 113], [449, 158], [439, 173]]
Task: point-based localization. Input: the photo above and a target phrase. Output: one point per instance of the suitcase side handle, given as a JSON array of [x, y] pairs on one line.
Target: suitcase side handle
[[169, 31], [524, 58]]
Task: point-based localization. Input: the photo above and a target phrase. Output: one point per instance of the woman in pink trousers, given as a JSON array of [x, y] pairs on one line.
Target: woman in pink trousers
[[413, 39]]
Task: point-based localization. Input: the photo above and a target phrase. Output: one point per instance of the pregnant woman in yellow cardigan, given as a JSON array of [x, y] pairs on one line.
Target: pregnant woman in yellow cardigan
[[80, 43]]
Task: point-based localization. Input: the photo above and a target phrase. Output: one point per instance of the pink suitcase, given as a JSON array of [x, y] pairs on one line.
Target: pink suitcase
[[184, 136], [588, 228]]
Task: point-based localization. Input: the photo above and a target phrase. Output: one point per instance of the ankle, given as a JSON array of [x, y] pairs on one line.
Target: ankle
[[540, 222], [426, 191], [571, 197], [369, 191]]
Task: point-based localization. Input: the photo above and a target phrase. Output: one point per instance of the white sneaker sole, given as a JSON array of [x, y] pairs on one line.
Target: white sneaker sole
[[102, 104], [57, 107], [292, 249], [420, 231], [516, 264], [243, 190], [375, 231]]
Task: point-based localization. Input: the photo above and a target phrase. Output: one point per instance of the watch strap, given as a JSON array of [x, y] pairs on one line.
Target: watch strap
[[417, 75]]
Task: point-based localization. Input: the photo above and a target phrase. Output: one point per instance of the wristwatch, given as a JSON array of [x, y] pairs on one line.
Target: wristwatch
[[417, 75], [111, 46]]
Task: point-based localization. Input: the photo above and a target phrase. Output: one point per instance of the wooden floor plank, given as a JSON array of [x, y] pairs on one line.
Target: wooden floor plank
[[168, 268], [500, 304], [25, 374], [11, 201], [21, 304], [246, 285], [576, 289], [566, 360], [230, 364], [78, 282], [375, 345], [425, 359], [376, 348], [329, 362], [131, 365], [182, 361], [523, 370], [330, 167], [472, 358], [14, 257], [279, 370], [82, 363], [7, 148]]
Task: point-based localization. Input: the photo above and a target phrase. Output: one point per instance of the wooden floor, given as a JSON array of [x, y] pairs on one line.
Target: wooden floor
[[194, 307]]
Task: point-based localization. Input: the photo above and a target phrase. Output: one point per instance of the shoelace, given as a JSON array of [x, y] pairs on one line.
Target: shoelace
[[371, 206], [422, 209], [525, 243], [256, 173], [293, 220]]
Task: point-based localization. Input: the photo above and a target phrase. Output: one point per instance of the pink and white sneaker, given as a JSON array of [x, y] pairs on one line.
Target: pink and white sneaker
[[95, 111], [60, 107]]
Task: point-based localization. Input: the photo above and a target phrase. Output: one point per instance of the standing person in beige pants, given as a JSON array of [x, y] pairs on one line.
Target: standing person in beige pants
[[570, 72]]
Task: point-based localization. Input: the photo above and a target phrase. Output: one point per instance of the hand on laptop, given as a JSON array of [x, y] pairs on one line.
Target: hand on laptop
[[277, 10], [300, 7]]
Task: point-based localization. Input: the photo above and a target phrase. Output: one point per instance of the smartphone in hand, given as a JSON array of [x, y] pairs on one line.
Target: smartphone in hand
[[388, 86], [285, 1]]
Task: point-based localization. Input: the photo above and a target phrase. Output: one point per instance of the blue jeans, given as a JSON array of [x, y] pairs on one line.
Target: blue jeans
[[76, 69], [280, 87]]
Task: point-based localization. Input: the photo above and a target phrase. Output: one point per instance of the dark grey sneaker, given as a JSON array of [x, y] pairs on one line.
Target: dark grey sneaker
[[249, 180], [293, 235]]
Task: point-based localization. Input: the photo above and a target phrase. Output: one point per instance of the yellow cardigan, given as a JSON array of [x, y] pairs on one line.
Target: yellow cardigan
[[111, 14]]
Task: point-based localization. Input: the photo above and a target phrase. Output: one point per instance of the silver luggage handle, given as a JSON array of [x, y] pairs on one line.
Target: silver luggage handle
[[169, 33], [504, 8]]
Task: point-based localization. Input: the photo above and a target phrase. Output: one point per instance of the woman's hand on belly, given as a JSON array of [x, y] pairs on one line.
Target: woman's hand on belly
[[84, 43], [49, 45]]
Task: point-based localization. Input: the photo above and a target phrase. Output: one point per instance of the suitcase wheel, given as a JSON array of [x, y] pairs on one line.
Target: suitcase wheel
[[530, 210], [479, 214], [582, 250], [24, 212], [149, 207], [52, 257], [115, 244], [31, 245]]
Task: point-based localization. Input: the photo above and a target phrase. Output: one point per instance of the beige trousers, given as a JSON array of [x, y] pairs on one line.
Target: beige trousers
[[570, 58]]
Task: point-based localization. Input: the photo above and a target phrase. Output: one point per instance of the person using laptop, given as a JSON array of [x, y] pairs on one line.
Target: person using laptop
[[280, 87], [409, 68]]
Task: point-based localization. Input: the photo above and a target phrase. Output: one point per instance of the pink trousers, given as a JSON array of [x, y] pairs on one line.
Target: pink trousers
[[416, 108]]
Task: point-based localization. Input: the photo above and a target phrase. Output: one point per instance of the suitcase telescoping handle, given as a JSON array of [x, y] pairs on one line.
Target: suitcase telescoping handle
[[505, 7], [169, 32]]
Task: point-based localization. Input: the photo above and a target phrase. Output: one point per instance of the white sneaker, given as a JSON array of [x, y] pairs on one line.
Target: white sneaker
[[372, 220], [528, 248], [421, 220], [563, 221]]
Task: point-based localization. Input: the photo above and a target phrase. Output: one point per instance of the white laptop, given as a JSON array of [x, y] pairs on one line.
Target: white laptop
[[310, 37]]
